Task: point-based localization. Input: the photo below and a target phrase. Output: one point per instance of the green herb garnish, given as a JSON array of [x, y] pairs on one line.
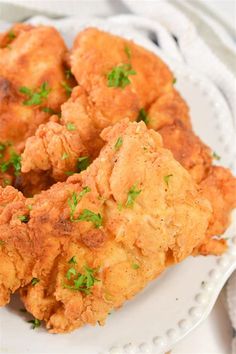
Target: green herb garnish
[[216, 156], [88, 215], [48, 110], [11, 35], [82, 163], [14, 161], [143, 116], [135, 266], [70, 126], [132, 195], [118, 143], [67, 88], [82, 282], [74, 200], [23, 218], [37, 97], [65, 156], [166, 179], [119, 76], [35, 323], [35, 281], [128, 52], [72, 260], [68, 74], [174, 81]]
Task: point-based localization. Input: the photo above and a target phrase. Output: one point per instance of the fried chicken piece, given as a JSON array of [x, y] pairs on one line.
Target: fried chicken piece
[[53, 147], [219, 187], [110, 230], [16, 260], [24, 65], [187, 148], [96, 53]]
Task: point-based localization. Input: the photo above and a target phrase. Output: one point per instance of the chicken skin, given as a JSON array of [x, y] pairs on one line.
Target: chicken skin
[[102, 235], [31, 88]]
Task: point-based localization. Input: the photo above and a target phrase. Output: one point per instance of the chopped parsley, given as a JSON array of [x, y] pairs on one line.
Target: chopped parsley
[[88, 215], [82, 163], [143, 116], [65, 156], [119, 76], [174, 80], [82, 282], [35, 281], [216, 156], [135, 266], [119, 206], [67, 88], [74, 200], [68, 74], [30, 207], [72, 260], [6, 182], [70, 126], [128, 52], [11, 35], [69, 173], [37, 97], [23, 218], [118, 143], [48, 110], [166, 179], [132, 195], [13, 161], [35, 323]]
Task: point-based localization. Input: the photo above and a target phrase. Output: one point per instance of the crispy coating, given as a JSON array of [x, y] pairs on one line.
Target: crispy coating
[[94, 105], [15, 244], [135, 242], [219, 187], [187, 148], [53, 147], [22, 64]]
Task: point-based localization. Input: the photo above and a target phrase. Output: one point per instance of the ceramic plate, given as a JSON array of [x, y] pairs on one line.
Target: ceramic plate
[[183, 296]]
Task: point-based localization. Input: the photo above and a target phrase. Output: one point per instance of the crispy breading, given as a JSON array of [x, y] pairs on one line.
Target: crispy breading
[[16, 260], [55, 148], [161, 226], [23, 64]]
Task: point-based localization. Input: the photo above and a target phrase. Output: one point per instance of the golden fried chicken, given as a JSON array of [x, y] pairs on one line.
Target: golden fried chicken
[[16, 260], [32, 73], [102, 235], [110, 91]]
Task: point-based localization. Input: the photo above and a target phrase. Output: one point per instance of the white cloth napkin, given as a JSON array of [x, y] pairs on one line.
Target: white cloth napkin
[[185, 30]]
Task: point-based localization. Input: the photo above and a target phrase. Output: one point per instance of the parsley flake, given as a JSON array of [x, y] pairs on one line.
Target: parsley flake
[[70, 272], [82, 282], [68, 74], [74, 200], [65, 156], [11, 35], [174, 80], [35, 323], [128, 52], [23, 218], [143, 116], [72, 260], [35, 281], [132, 195], [67, 88], [166, 179], [48, 110], [82, 163], [88, 215], [119, 76], [70, 126], [135, 266], [118, 143], [14, 161], [216, 156], [37, 97]]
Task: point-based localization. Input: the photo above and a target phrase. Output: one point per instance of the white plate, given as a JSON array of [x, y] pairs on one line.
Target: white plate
[[183, 296]]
